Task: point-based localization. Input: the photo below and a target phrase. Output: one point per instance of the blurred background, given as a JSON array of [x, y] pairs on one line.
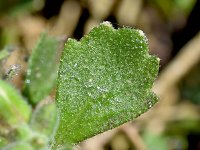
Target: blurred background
[[172, 27]]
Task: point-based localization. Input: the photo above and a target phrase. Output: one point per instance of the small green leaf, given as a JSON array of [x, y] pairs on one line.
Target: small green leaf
[[42, 69], [104, 80], [13, 109]]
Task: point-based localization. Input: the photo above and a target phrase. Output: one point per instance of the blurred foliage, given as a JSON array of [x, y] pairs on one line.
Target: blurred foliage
[[16, 130], [43, 119], [14, 7], [190, 86], [42, 67], [13, 107], [5, 52], [173, 8], [155, 141]]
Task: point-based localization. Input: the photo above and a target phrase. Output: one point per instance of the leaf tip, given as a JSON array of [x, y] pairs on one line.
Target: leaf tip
[[158, 59], [141, 33], [106, 23]]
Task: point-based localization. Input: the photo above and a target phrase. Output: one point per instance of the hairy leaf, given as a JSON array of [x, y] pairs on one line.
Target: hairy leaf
[[105, 80], [42, 69]]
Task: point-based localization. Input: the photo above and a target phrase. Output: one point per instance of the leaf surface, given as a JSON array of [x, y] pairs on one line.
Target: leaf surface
[[105, 80]]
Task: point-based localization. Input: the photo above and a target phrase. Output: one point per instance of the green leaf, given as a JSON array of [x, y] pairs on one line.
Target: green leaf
[[42, 69], [13, 109], [104, 80]]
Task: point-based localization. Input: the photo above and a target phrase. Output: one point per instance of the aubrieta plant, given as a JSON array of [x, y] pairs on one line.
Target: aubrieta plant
[[103, 81]]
